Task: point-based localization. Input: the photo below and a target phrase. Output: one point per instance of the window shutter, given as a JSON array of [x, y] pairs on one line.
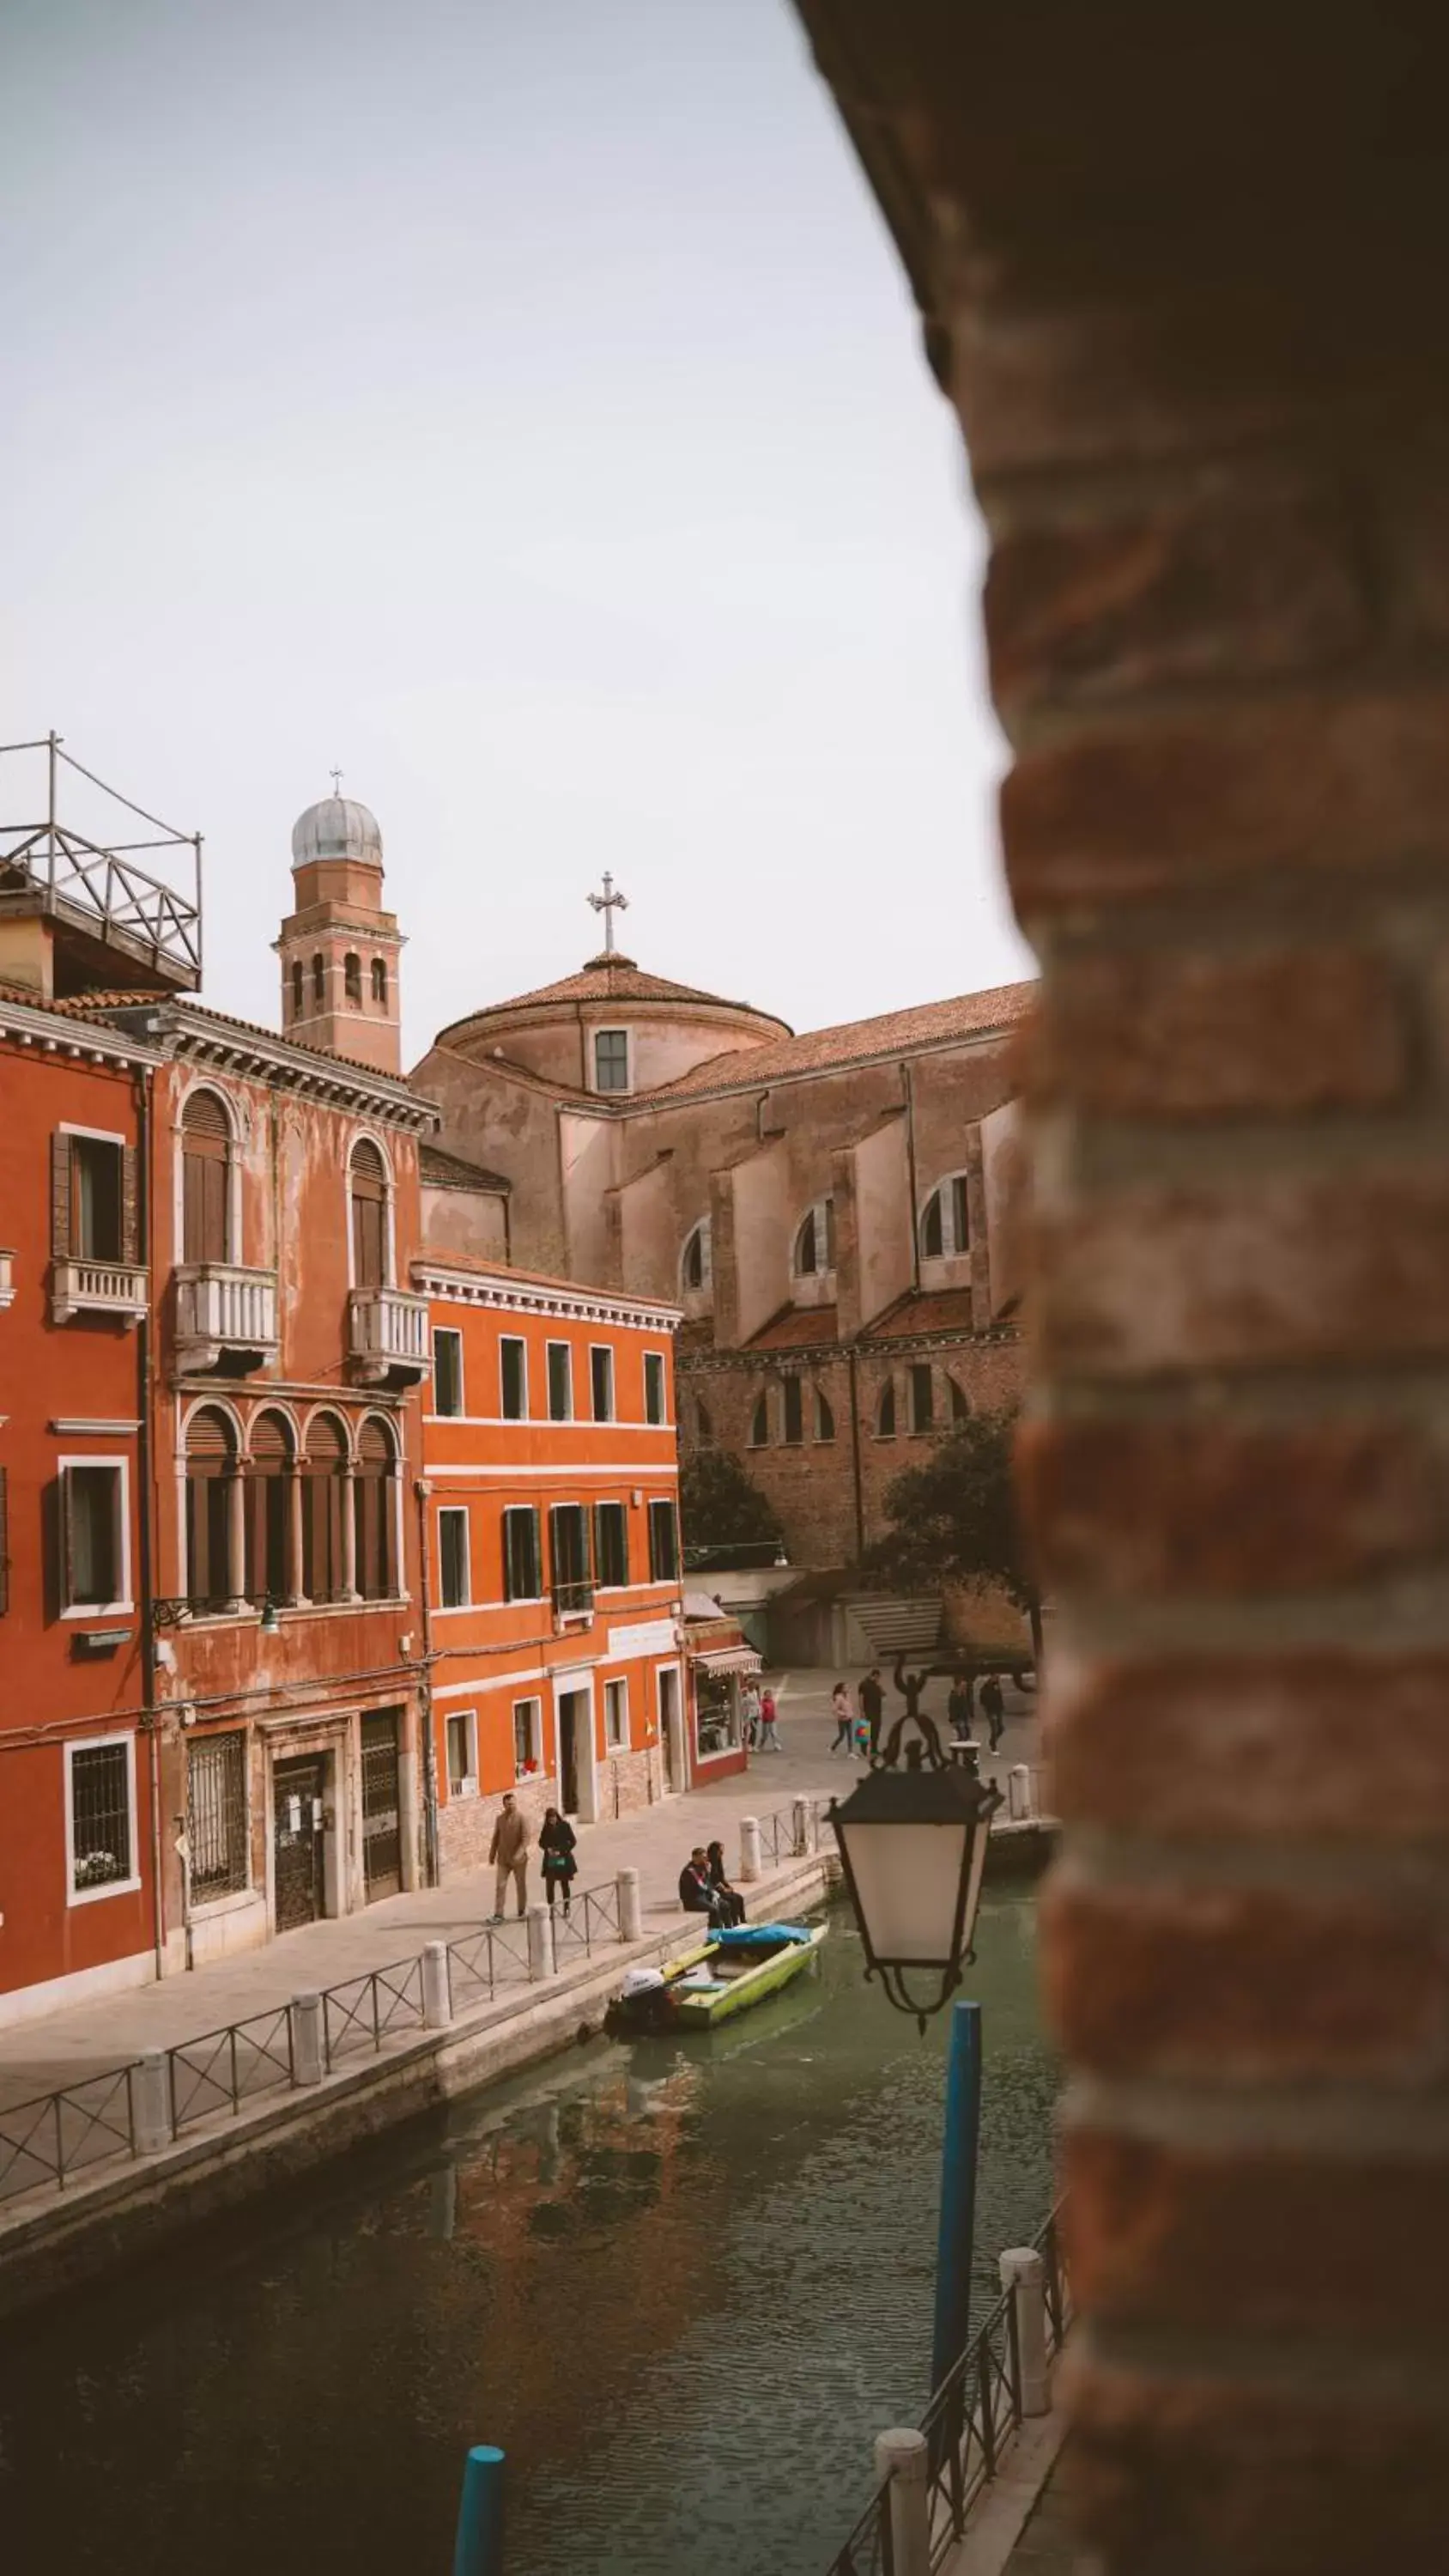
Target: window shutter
[[60, 1185], [130, 1207], [4, 1546], [67, 1540]]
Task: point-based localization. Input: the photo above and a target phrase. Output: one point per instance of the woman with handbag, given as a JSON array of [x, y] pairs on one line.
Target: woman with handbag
[[556, 1846]]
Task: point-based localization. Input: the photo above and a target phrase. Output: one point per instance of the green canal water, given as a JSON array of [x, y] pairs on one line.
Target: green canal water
[[682, 2285]]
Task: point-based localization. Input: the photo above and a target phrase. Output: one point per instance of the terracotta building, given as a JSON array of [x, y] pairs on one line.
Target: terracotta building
[[552, 1577], [836, 1214]]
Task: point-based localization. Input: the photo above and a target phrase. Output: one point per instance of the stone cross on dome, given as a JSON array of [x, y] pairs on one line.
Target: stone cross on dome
[[608, 903], [336, 777]]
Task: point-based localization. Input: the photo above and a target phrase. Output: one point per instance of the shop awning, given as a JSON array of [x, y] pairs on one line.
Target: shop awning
[[729, 1659]]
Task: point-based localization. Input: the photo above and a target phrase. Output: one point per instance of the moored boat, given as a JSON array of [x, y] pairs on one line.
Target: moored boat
[[720, 1977]]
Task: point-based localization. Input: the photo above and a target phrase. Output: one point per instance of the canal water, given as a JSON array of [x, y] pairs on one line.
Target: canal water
[[682, 2284]]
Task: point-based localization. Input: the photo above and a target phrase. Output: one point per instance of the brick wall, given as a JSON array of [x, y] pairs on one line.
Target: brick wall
[[1181, 276]]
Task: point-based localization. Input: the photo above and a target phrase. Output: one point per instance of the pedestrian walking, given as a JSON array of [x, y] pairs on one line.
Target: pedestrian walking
[[993, 1709], [872, 1703], [750, 1714], [509, 1853], [729, 1900], [769, 1734], [959, 1708], [844, 1716], [556, 1841]]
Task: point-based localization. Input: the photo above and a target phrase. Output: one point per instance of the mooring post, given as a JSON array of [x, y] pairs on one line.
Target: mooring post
[[309, 2056], [749, 1848], [1023, 2273], [1018, 1793], [437, 1994], [800, 1826], [901, 2457], [478, 2549], [153, 2103], [958, 2191], [540, 1942], [631, 1906]]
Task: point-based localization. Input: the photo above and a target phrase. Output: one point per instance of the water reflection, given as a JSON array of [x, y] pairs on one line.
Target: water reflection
[[681, 2283]]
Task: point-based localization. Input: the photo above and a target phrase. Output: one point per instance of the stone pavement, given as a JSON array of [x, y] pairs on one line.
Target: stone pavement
[[63, 2048]]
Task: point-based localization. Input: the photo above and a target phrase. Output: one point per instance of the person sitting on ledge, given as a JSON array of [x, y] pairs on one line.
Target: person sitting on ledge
[[696, 1894], [732, 1904]]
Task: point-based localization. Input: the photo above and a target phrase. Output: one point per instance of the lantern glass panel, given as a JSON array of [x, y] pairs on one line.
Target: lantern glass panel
[[908, 1886]]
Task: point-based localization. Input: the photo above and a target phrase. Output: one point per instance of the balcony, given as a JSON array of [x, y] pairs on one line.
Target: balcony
[[573, 1599], [387, 1336], [119, 1289], [226, 1318]]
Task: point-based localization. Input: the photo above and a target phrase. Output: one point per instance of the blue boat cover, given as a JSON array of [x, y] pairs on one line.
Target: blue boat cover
[[760, 1936]]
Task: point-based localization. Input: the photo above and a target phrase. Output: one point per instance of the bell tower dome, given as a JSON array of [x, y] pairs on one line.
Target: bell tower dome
[[339, 949]]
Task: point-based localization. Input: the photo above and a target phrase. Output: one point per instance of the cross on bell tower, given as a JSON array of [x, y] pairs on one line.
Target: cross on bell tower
[[608, 903]]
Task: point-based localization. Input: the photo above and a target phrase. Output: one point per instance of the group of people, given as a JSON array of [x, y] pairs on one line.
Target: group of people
[[704, 1888], [509, 1850], [758, 1716], [857, 1723]]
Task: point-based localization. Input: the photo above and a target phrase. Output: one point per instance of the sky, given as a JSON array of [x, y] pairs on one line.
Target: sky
[[517, 404]]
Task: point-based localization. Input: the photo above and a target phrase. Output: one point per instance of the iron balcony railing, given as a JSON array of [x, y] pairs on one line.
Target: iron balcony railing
[[388, 1332], [222, 1310], [574, 1598]]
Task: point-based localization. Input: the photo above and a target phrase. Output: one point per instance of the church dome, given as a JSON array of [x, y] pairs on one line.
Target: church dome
[[337, 827]]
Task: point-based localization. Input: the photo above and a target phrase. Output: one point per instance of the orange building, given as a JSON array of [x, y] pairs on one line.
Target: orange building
[[552, 1575]]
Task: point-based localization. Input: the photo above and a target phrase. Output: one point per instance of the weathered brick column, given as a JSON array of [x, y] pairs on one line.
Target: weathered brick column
[[1183, 274]]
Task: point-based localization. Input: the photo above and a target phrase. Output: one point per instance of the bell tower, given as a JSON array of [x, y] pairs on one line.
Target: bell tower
[[339, 949]]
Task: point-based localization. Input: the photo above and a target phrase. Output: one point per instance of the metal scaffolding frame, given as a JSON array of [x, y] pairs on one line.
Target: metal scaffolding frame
[[98, 882]]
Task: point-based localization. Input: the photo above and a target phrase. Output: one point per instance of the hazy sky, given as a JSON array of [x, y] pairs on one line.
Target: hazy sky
[[516, 402]]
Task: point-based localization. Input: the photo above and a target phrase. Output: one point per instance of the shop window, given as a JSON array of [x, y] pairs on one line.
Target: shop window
[[611, 1059], [268, 1514], [793, 1411], [824, 1416], [101, 1817], [447, 1370], [885, 1414], [461, 1734], [352, 979], [217, 1838], [601, 1382], [522, 1566], [663, 1543], [212, 1580], [815, 1241], [716, 1712], [611, 1545], [654, 1386], [513, 1378], [379, 982], [695, 1266], [367, 1191], [945, 1220], [760, 1422], [374, 1494], [527, 1738], [616, 1715], [324, 1472], [560, 1382], [923, 1396], [454, 1582], [205, 1178], [95, 1573]]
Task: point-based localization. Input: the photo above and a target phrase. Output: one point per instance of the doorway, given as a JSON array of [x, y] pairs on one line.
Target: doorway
[[576, 1755], [299, 1880], [670, 1731], [381, 1806]]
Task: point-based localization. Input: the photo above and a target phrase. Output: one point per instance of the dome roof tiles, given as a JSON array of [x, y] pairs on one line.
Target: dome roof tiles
[[336, 827]]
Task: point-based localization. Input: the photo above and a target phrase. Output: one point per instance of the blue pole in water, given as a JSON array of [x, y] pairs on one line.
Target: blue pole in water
[[958, 2190], [478, 2549]]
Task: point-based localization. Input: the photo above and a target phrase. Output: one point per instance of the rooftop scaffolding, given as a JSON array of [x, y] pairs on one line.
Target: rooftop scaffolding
[[107, 910]]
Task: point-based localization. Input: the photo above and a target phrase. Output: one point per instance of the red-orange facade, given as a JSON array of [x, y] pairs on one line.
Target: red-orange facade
[[553, 1566]]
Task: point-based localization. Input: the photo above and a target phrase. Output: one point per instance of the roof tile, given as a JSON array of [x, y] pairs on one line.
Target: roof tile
[[1003, 1007]]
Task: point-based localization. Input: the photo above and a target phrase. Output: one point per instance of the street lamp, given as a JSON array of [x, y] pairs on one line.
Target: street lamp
[[913, 1849]]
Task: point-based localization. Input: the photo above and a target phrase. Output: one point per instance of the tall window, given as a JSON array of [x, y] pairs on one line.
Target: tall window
[[663, 1543], [611, 1060], [462, 1751], [379, 982], [611, 1545], [298, 987], [815, 1241], [216, 1815], [211, 1471], [522, 1567], [560, 1382], [945, 1221], [324, 1470], [93, 1508], [367, 1186], [568, 1537], [374, 1493], [794, 1410], [885, 1420], [447, 1370], [527, 1736], [695, 1266], [601, 1382], [454, 1590], [319, 981], [923, 1396], [513, 1376], [205, 1168], [760, 1423], [703, 1422], [101, 1816], [352, 978], [93, 1199], [960, 1409], [268, 1517], [654, 1386], [824, 1416], [616, 1715]]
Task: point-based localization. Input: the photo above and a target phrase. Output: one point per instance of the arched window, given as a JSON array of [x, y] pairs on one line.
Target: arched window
[[374, 1488], [694, 1263], [379, 981], [205, 1174], [824, 1416], [212, 1580], [268, 1513], [885, 1414], [760, 1423], [298, 983], [319, 980], [945, 1222], [921, 1384], [815, 1241], [960, 1409], [352, 978], [367, 1192], [703, 1422], [323, 1478]]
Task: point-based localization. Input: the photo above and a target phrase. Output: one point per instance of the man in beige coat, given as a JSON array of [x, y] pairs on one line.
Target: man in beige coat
[[509, 1849]]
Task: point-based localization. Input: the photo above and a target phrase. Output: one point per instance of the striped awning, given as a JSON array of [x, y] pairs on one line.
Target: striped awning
[[730, 1659]]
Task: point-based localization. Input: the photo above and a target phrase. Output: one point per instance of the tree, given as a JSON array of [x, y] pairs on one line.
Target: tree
[[954, 1518], [721, 1506]]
